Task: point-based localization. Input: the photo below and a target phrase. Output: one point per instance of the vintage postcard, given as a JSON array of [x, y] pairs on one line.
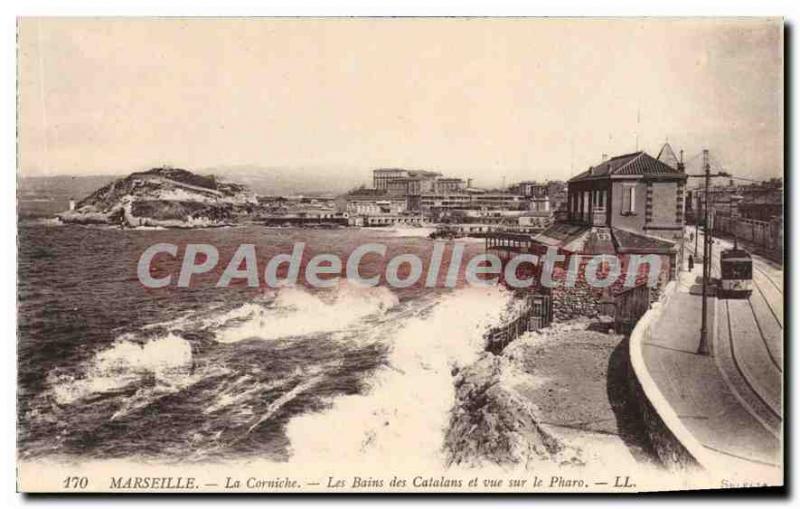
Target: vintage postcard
[[400, 255]]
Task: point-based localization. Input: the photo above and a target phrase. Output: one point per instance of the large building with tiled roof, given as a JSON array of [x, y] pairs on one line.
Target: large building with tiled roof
[[626, 206], [634, 191], [631, 203]]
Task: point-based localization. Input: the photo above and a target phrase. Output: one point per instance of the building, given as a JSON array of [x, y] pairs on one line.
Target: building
[[414, 184], [498, 200], [310, 218], [536, 221], [436, 205], [751, 213], [393, 220], [554, 190], [761, 201], [399, 181], [540, 204], [628, 204], [557, 192], [371, 202], [382, 176], [635, 192], [529, 188], [448, 185]]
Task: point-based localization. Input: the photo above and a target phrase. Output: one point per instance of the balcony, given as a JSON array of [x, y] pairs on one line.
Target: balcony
[[599, 216]]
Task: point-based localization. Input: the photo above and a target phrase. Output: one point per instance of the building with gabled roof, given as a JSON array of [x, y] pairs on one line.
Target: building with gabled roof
[[631, 203], [636, 192], [625, 206]]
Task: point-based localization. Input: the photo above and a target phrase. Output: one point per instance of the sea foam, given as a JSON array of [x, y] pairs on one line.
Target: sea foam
[[404, 415], [167, 359], [297, 312]]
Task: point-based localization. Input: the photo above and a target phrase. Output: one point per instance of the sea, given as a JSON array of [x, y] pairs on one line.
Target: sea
[[108, 368]]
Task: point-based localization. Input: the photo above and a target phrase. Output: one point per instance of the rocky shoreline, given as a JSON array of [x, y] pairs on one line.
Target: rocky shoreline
[[492, 422], [554, 397], [167, 198]]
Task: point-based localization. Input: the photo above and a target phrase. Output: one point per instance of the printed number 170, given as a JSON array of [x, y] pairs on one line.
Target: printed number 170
[[72, 483]]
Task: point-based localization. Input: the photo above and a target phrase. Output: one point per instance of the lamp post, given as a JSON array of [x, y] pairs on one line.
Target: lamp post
[[702, 349]]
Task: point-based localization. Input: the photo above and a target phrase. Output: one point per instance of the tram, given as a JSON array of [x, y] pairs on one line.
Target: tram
[[736, 271]]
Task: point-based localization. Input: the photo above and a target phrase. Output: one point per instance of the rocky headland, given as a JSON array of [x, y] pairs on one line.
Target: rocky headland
[[165, 197]]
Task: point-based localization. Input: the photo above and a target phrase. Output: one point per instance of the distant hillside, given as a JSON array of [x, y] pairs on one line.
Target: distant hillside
[[46, 196], [164, 197], [289, 181]]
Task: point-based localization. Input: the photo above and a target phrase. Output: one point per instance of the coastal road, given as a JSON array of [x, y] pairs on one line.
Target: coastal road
[[750, 340]]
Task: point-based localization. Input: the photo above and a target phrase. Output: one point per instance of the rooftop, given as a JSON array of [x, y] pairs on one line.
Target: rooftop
[[579, 238], [633, 164]]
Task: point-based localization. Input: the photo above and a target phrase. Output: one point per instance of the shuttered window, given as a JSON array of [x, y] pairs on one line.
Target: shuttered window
[[628, 200]]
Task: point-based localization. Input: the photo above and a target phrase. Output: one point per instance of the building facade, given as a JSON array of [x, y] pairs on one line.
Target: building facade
[[635, 192]]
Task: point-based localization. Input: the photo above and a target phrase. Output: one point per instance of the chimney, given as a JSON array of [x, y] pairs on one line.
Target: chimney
[[605, 156], [681, 166], [469, 182]]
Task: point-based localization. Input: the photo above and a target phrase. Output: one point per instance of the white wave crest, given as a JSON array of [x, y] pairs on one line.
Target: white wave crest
[[167, 359], [297, 312], [405, 414]]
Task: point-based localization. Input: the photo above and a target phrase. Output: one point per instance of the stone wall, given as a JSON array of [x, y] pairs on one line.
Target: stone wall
[[583, 300], [670, 450]]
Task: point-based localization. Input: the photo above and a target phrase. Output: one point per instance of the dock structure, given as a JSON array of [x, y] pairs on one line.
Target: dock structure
[[508, 242]]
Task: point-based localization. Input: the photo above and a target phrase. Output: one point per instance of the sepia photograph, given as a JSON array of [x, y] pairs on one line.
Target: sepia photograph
[[275, 255]]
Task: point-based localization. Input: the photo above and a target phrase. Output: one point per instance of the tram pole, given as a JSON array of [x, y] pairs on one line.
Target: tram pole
[[696, 226], [702, 348]]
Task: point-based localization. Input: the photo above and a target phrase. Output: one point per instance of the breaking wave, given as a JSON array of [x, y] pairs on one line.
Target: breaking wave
[[407, 407], [236, 387], [296, 312], [167, 360], [357, 356]]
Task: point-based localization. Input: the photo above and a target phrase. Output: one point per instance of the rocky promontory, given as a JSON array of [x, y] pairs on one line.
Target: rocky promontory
[[165, 197]]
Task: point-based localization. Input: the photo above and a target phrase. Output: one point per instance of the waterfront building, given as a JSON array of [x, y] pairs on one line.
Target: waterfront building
[[371, 202], [499, 200], [311, 217], [635, 192], [393, 219], [414, 184], [628, 204]]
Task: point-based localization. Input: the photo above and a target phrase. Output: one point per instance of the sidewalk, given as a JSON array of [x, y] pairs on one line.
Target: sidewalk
[[709, 405]]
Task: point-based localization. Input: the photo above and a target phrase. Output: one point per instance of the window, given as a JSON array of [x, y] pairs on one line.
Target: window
[[628, 200]]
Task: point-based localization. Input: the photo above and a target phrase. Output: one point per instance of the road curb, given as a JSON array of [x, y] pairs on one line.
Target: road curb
[[675, 446]]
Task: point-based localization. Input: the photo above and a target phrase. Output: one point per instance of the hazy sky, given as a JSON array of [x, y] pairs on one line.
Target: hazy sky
[[513, 98]]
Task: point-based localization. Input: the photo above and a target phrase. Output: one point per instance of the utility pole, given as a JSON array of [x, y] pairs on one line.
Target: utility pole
[[703, 349], [697, 225]]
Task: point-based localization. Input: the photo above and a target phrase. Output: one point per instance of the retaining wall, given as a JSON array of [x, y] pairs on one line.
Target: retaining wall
[[675, 446]]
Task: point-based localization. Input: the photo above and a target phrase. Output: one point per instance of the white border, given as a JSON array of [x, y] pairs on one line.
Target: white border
[[10, 10]]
